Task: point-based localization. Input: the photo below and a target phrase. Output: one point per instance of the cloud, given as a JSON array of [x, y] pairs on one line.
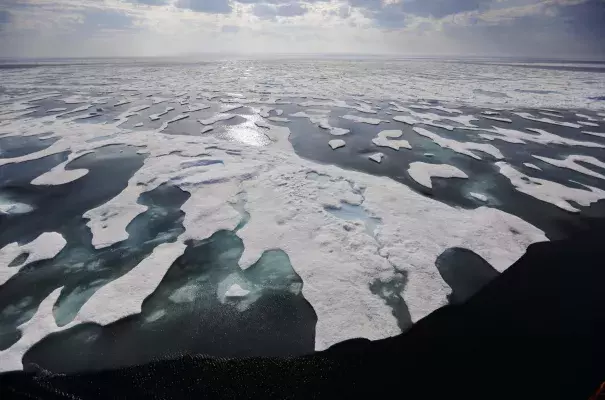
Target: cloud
[[109, 19], [269, 11], [151, 2], [230, 29], [344, 12], [546, 28], [205, 6], [442, 8], [5, 17]]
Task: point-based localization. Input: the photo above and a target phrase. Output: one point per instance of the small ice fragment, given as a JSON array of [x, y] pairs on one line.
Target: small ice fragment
[[177, 118], [585, 123], [355, 118], [278, 119], [279, 112], [52, 110], [207, 128], [195, 107], [376, 157], [588, 117], [155, 117], [551, 114], [122, 102], [140, 124], [236, 291], [530, 165], [488, 112], [429, 155], [11, 208], [599, 134], [500, 119], [336, 143], [530, 117], [230, 107], [479, 196]]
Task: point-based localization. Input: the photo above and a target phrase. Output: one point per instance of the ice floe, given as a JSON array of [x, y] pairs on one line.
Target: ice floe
[[117, 299], [356, 118], [278, 119], [599, 134], [59, 175], [500, 119], [236, 290], [530, 165], [571, 162], [550, 192], [586, 123], [377, 157], [588, 117], [336, 143], [155, 117], [538, 136], [385, 139], [530, 117], [423, 172], [44, 247], [461, 147], [478, 196]]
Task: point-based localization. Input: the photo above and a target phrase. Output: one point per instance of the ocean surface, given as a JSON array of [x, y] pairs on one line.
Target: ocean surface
[[235, 207]]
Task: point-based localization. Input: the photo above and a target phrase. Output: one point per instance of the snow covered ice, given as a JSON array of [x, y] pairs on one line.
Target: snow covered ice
[[196, 206]]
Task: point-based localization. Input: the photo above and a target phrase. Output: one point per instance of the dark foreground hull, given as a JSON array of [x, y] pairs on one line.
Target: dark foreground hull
[[536, 332]]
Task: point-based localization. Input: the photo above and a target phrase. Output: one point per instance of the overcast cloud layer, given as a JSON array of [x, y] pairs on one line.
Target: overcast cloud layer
[[72, 28]]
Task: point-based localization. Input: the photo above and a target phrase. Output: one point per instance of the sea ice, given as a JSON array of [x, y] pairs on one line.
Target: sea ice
[[588, 117], [59, 109], [571, 162], [207, 129], [586, 123], [479, 196], [550, 192], [195, 107], [423, 172], [383, 139], [59, 175], [336, 143], [377, 157], [75, 110], [321, 121], [122, 102], [236, 291], [530, 117], [44, 247], [530, 165], [215, 118], [501, 119], [551, 114], [155, 117], [355, 118], [541, 136], [140, 124], [115, 300], [278, 119], [461, 147], [599, 134], [9, 207]]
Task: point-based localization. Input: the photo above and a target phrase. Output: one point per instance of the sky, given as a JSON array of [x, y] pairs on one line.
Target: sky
[[119, 28]]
